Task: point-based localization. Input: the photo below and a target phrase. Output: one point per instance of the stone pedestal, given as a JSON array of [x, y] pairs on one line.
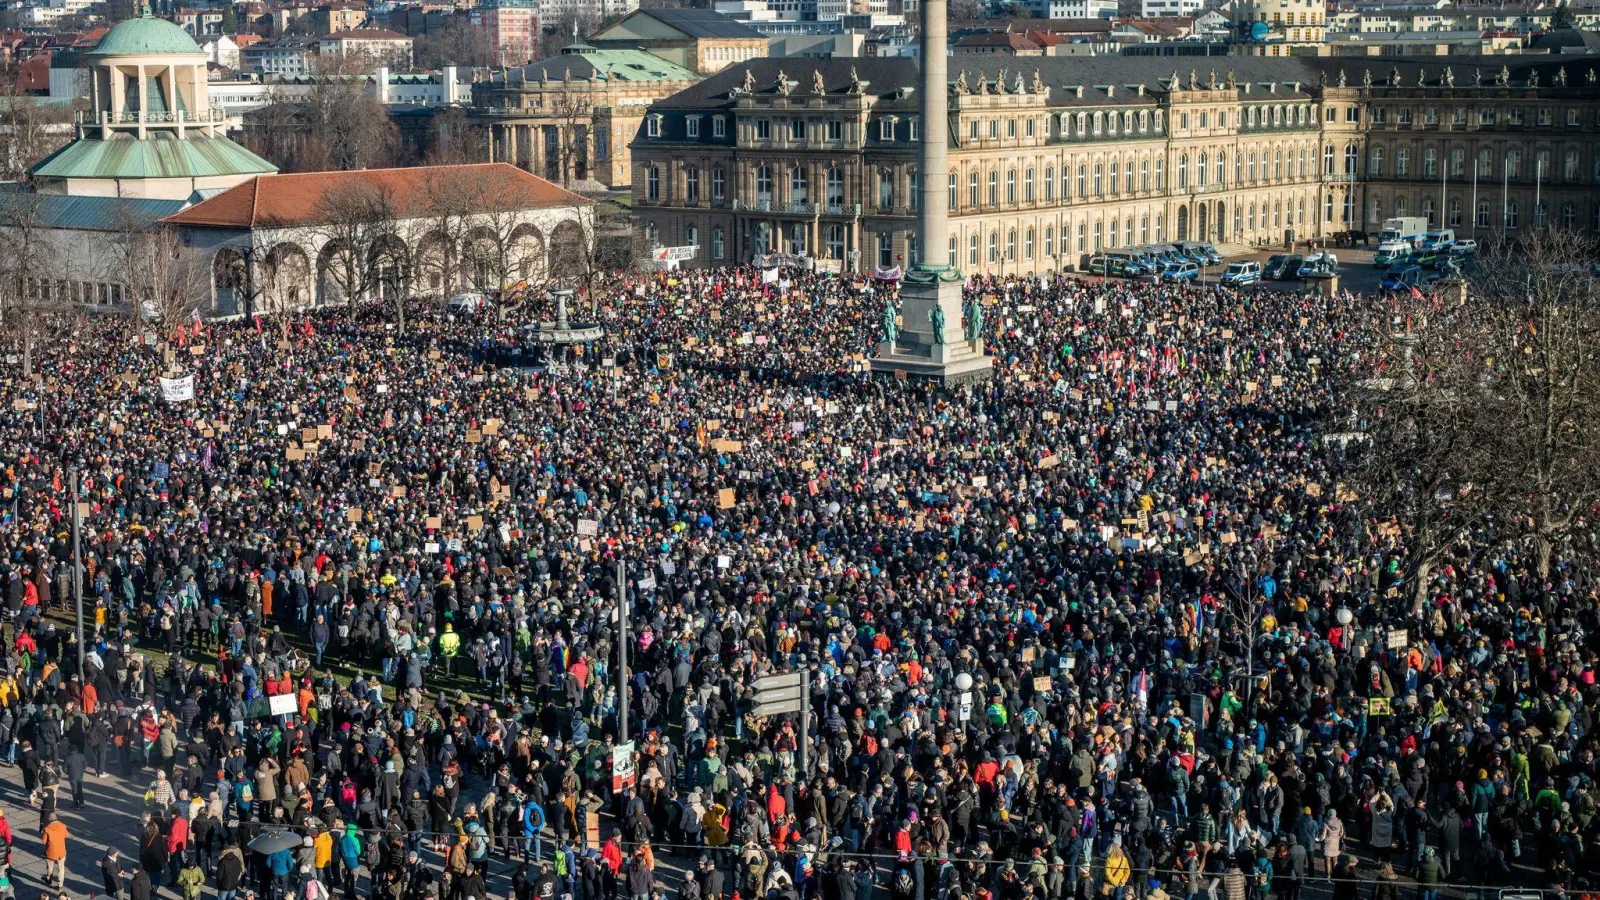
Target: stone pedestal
[[1453, 291], [955, 361], [1325, 285]]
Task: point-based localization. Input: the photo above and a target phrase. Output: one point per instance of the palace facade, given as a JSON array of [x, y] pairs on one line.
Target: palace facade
[[1054, 158]]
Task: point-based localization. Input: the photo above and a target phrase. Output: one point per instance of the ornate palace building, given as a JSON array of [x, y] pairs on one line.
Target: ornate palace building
[[1055, 158]]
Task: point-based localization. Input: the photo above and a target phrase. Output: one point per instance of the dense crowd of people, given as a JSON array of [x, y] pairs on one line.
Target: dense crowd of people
[[353, 611]]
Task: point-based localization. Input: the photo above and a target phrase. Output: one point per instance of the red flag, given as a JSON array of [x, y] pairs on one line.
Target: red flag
[[306, 328], [1415, 294], [182, 336], [258, 324]]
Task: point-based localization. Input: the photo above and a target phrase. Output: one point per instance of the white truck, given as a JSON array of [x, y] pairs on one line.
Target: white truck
[[1404, 228]]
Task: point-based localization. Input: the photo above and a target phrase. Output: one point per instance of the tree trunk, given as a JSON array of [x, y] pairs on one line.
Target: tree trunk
[[1419, 585], [1544, 547]]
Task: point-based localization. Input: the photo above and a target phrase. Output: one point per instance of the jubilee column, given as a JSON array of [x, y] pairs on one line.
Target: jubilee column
[[933, 340]]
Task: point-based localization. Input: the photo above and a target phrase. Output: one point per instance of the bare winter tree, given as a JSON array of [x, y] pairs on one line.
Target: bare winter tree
[[1428, 458], [29, 131], [496, 250], [29, 261], [457, 43], [162, 277], [1541, 388], [358, 222], [335, 124]]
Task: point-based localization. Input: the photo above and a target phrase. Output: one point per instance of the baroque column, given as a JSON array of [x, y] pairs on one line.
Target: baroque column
[[932, 340]]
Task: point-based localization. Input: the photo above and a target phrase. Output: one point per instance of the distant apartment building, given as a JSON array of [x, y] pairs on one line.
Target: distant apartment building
[[512, 28], [284, 57], [378, 45], [1151, 9], [333, 18], [1073, 9]]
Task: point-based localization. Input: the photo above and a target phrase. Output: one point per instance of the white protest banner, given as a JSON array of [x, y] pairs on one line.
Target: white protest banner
[[177, 390]]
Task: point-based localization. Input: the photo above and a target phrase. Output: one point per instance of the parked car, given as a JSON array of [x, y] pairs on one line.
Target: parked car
[[1274, 265], [1401, 277], [1184, 271], [468, 302], [1428, 258], [1288, 269], [1464, 247], [1390, 253], [1323, 263], [1239, 274]]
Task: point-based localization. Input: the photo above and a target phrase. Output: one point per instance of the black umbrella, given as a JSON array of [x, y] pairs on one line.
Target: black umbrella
[[268, 844]]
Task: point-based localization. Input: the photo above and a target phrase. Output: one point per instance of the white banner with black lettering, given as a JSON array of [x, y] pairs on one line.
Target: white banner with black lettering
[[177, 390]]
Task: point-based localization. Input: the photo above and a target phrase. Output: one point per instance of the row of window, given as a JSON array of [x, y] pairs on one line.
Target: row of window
[[1274, 165], [1063, 125], [1510, 213], [1487, 116], [84, 293], [1483, 165]]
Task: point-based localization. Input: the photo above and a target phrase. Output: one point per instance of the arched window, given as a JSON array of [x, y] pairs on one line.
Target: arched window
[[1099, 180], [1200, 171], [1011, 187], [652, 180], [885, 188], [1161, 176], [954, 260], [798, 185], [1114, 180], [972, 189], [1011, 245], [1222, 168], [1027, 184], [1513, 166], [1277, 165], [763, 184], [1083, 190], [1112, 234], [1183, 172], [1049, 184], [1144, 175], [1049, 243], [994, 246], [955, 192], [994, 188]]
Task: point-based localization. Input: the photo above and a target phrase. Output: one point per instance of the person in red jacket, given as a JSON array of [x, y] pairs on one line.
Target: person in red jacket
[[177, 843]]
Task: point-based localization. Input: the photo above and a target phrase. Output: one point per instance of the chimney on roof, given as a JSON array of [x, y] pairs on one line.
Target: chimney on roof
[[1141, 89], [1111, 90], [1078, 90]]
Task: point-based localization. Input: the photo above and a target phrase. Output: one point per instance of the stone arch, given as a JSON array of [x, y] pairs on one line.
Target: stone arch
[[230, 278], [480, 260], [332, 280], [288, 277], [390, 261], [528, 258], [1183, 222], [435, 260], [567, 249]]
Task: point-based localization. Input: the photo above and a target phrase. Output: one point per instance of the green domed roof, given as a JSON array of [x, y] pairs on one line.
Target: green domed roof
[[146, 36]]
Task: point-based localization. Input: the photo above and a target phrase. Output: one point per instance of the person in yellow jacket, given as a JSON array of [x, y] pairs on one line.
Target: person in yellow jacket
[[322, 854], [1118, 870], [714, 824], [449, 646]]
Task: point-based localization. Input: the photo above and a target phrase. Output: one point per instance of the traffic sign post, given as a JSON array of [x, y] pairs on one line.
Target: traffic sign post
[[786, 693]]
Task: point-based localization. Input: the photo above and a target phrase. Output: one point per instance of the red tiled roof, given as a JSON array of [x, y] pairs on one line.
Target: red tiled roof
[[295, 200]]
